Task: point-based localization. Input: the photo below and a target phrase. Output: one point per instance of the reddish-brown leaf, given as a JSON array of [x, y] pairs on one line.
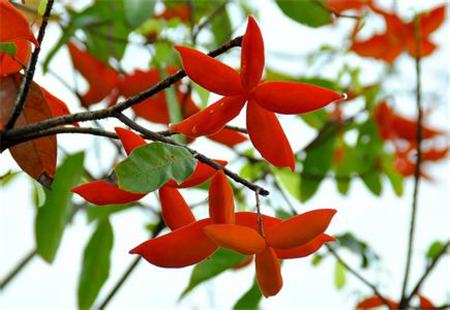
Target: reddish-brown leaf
[[36, 157]]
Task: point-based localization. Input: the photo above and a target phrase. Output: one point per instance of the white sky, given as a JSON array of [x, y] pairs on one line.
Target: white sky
[[383, 222]]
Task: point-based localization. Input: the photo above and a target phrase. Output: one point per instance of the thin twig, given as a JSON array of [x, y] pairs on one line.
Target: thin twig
[[204, 159], [357, 275], [121, 106], [404, 302], [157, 230], [427, 272], [258, 211], [28, 78], [15, 271]]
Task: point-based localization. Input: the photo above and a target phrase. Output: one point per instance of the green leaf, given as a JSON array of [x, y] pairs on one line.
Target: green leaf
[[96, 264], [138, 11], [345, 168], [339, 275], [250, 299], [289, 180], [311, 13], [107, 35], [434, 249], [38, 194], [152, 165], [8, 48], [52, 216], [42, 6], [395, 178], [221, 27], [358, 247], [316, 259], [317, 163], [220, 261], [6, 178], [372, 180], [282, 214]]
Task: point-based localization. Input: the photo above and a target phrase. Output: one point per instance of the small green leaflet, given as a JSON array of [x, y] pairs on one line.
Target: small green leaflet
[[138, 11], [52, 216], [96, 264], [220, 261], [312, 13], [340, 277], [6, 178], [152, 165], [8, 48], [250, 299], [290, 181]]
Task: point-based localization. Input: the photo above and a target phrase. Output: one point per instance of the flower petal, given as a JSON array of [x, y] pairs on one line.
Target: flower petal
[[241, 239], [101, 78], [185, 246], [425, 303], [375, 301], [252, 56], [268, 272], [103, 193], [201, 173], [268, 136], [228, 137], [304, 250], [209, 72], [129, 139], [293, 97], [14, 25], [212, 119], [9, 64], [380, 46], [432, 20], [174, 209], [250, 219], [299, 229], [221, 200], [426, 47]]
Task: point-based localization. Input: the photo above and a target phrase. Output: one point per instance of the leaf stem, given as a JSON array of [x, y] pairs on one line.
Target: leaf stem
[[16, 270]]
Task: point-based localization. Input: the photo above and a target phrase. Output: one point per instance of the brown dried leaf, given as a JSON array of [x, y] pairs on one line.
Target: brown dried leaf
[[36, 157]]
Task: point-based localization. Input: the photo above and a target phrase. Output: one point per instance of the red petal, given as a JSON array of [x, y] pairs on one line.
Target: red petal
[[268, 136], [268, 273], [101, 78], [174, 209], [299, 229], [241, 239], [375, 301], [185, 246], [212, 119], [14, 64], [380, 46], [209, 72], [304, 250], [250, 219], [407, 129], [293, 97], [221, 200], [201, 173], [58, 107], [228, 137], [426, 47], [252, 56], [103, 193], [13, 24], [425, 303], [129, 139], [430, 21]]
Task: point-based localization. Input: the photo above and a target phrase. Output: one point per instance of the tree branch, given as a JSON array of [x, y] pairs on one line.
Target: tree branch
[[121, 106], [28, 78], [204, 159], [427, 272], [404, 302]]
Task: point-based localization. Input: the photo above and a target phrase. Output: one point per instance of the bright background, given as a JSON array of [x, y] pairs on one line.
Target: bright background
[[382, 222]]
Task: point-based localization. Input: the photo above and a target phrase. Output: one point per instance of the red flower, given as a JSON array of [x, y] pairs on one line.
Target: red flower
[[264, 98], [296, 237], [400, 36], [375, 302]]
